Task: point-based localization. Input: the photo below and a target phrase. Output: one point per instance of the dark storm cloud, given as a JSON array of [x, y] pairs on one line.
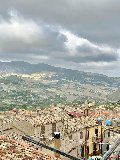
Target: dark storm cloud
[[70, 31], [96, 20]]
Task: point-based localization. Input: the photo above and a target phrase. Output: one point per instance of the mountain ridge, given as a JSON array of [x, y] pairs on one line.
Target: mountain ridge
[[14, 63], [21, 67], [34, 85]]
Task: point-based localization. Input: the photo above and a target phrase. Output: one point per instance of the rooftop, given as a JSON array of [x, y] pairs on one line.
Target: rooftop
[[19, 150]]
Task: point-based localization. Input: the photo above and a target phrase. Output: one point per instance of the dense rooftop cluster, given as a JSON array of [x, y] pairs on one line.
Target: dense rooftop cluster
[[19, 150], [62, 113], [72, 121], [42, 120], [75, 124]]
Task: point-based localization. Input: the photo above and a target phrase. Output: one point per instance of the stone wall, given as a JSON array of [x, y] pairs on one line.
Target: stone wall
[[24, 126]]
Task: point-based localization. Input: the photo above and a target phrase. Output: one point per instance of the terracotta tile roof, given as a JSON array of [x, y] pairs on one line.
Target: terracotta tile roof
[[77, 124], [18, 150], [76, 114]]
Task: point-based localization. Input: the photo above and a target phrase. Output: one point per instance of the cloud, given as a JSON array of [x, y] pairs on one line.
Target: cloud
[[24, 38], [80, 34], [94, 20], [82, 50], [18, 28], [21, 36]]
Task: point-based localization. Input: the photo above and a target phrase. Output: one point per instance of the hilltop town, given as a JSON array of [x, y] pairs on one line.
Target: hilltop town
[[83, 131]]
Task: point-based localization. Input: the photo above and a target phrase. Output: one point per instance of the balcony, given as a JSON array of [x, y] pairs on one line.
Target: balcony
[[96, 139]]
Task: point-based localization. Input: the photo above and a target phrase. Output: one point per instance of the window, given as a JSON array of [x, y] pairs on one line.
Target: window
[[87, 135], [94, 149], [96, 132], [87, 150], [99, 146], [104, 134], [108, 133], [82, 151], [107, 147], [53, 127], [70, 137], [42, 129], [81, 135]]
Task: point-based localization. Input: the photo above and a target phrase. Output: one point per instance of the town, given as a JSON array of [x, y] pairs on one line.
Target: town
[[80, 131], [60, 80]]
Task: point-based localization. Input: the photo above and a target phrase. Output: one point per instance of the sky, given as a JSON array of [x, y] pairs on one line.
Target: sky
[[75, 34]]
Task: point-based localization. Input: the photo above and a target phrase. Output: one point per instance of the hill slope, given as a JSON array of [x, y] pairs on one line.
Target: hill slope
[[115, 96], [39, 85], [21, 67]]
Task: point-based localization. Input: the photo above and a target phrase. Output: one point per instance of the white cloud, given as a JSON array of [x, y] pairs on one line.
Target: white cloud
[[18, 28], [74, 42], [22, 35]]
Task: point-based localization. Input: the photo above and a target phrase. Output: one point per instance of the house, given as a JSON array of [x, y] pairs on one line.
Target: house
[[94, 138], [39, 126], [106, 139]]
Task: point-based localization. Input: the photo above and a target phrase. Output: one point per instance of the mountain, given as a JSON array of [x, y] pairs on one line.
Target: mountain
[[21, 67], [39, 85]]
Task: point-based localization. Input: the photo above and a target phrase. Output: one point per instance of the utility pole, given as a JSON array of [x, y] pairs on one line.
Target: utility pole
[[101, 138], [86, 136]]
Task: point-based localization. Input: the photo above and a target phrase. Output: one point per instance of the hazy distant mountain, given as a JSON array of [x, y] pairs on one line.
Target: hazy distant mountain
[[21, 67]]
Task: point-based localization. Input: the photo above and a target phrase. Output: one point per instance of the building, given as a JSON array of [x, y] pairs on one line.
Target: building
[[18, 149]]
